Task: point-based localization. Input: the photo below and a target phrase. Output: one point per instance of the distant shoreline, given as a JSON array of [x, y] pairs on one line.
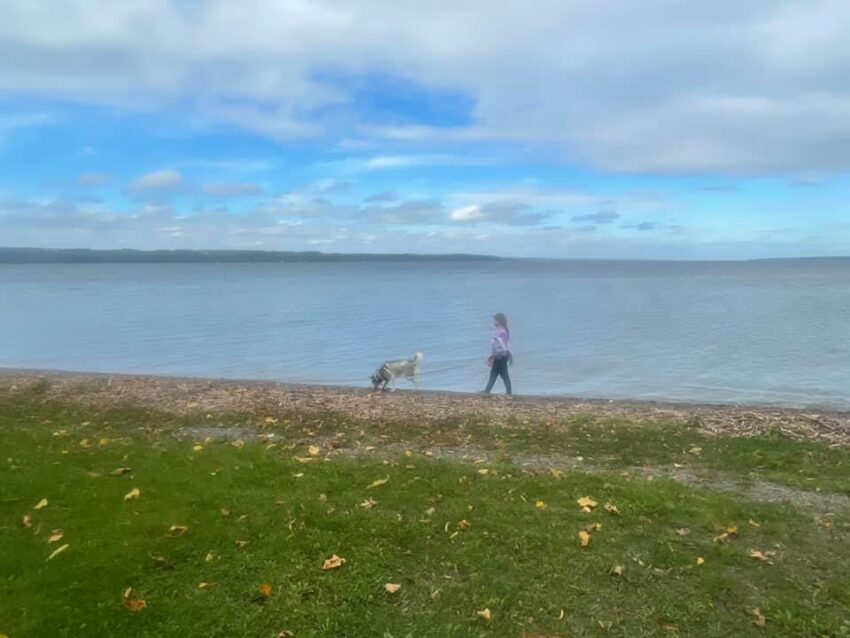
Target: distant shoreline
[[182, 395], [130, 256]]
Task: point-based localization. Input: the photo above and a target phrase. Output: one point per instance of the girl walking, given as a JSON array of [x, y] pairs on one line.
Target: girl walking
[[500, 354]]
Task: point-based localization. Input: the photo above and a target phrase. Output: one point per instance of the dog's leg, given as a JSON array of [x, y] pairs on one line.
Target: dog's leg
[[415, 380]]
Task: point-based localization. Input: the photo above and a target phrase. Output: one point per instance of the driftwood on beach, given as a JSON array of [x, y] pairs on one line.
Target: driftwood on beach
[[183, 395]]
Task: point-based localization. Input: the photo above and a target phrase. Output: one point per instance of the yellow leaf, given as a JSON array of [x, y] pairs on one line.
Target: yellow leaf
[[85, 443], [611, 508], [270, 420], [586, 503], [391, 588], [683, 531], [369, 503], [103, 442], [27, 520], [58, 551], [556, 473], [206, 585], [209, 557], [592, 527], [617, 570], [584, 538], [238, 443], [464, 525], [134, 493], [334, 562], [241, 544], [700, 560], [197, 447], [313, 450], [540, 505], [265, 590], [286, 634], [483, 471], [754, 524], [133, 604], [41, 504], [484, 614], [377, 483], [760, 620], [177, 530], [55, 536], [732, 530], [696, 451], [225, 513], [304, 459], [120, 471]]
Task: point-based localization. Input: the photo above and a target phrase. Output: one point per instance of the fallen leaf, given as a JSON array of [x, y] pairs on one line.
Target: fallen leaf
[[85, 443], [41, 504], [55, 536], [540, 505], [304, 459], [754, 524], [120, 471], [27, 520], [556, 473], [58, 551], [209, 557], [197, 447], [377, 483], [238, 443], [241, 544], [611, 508], [484, 614], [177, 530], [584, 538], [617, 570], [206, 585], [592, 527], [683, 531], [133, 604], [464, 525], [764, 557], [668, 626], [270, 420], [700, 560], [286, 634], [561, 615], [369, 503], [483, 471], [760, 620], [586, 503], [314, 450], [225, 513], [695, 450], [391, 588], [333, 562], [265, 590], [134, 493]]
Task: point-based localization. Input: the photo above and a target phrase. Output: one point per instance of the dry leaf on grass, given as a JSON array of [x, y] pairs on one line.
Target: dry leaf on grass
[[700, 560], [209, 557], [611, 508], [58, 551], [556, 473], [177, 530], [41, 504], [134, 493], [586, 503], [753, 523], [55, 536], [314, 450], [120, 471], [592, 527], [617, 570], [391, 588], [584, 538], [133, 604], [265, 590], [760, 620], [377, 483], [683, 531], [206, 585], [540, 505], [241, 544], [27, 520], [464, 525], [334, 562], [369, 503], [764, 557], [286, 634], [484, 614]]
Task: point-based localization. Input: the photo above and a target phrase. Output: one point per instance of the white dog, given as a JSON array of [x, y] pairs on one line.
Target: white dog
[[389, 371]]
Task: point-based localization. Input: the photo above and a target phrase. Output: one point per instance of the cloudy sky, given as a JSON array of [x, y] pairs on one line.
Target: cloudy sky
[[557, 128]]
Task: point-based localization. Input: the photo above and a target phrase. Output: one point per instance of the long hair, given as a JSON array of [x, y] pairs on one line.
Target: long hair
[[502, 320]]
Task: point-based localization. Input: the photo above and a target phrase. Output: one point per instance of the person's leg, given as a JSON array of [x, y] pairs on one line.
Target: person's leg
[[494, 372], [506, 378]]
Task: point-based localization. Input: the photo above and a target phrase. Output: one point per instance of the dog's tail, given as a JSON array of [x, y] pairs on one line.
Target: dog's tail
[[417, 358]]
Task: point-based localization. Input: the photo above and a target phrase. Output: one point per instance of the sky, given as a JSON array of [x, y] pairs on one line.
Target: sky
[[668, 129]]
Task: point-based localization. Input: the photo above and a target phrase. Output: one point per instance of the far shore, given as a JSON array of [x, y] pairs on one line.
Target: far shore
[[190, 395]]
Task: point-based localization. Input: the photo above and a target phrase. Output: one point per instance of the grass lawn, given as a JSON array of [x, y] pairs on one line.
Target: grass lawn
[[458, 537]]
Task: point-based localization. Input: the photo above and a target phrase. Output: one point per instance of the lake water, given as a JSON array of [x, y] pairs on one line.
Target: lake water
[[757, 332]]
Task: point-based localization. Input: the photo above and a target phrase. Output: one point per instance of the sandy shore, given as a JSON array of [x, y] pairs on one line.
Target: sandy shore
[[190, 395]]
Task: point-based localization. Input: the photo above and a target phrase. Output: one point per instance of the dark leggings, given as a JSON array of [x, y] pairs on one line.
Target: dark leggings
[[499, 369]]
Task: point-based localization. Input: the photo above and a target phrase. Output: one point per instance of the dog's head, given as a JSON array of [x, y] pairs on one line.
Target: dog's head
[[376, 380], [417, 358]]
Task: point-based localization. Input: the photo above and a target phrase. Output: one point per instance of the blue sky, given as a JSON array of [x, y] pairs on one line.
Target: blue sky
[[567, 128]]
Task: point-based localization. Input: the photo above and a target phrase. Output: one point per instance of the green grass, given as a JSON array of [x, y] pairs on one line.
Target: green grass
[[522, 562]]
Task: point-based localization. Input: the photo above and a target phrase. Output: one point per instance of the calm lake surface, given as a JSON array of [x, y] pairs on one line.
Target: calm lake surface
[[754, 332]]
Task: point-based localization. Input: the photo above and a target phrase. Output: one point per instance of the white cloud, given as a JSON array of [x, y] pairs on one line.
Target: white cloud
[[655, 86], [158, 182], [470, 212], [231, 190]]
